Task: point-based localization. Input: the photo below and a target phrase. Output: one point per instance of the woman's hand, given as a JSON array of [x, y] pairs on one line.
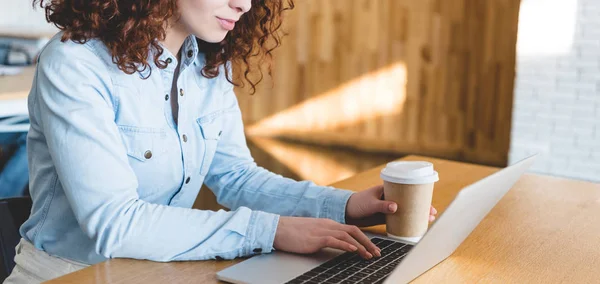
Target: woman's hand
[[366, 208], [309, 235]]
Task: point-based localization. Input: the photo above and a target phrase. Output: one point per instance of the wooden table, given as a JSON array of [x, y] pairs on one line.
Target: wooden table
[[14, 91], [545, 230]]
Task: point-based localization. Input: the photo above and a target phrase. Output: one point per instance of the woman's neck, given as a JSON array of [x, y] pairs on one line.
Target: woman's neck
[[175, 36]]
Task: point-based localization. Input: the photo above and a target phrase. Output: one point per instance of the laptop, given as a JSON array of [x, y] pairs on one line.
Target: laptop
[[400, 262]]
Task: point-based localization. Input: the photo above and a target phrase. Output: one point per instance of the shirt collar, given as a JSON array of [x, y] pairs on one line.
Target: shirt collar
[[189, 53], [189, 50]]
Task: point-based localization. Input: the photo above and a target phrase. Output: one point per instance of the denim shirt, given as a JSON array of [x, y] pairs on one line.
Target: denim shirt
[[112, 175]]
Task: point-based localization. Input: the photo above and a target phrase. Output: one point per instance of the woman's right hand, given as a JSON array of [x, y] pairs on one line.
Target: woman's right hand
[[309, 235]]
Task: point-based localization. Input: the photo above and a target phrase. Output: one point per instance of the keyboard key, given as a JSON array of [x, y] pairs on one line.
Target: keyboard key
[[380, 273], [378, 264], [397, 254], [345, 256], [405, 249], [367, 261], [321, 278], [388, 256], [310, 273], [385, 243], [336, 269], [354, 278], [303, 278], [376, 240], [295, 281], [346, 273], [346, 264], [361, 274], [329, 264], [318, 269], [387, 251], [368, 270], [324, 275], [336, 279], [372, 279], [337, 260]]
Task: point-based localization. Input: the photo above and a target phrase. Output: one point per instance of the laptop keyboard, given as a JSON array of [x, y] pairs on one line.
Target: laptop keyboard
[[351, 268]]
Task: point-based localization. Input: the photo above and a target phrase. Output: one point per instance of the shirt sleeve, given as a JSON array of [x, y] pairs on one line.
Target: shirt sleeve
[[75, 112], [237, 181]]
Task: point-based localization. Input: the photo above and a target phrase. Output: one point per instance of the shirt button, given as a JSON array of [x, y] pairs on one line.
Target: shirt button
[[187, 180], [169, 60], [190, 53], [184, 138], [148, 154], [257, 250], [166, 97], [181, 92], [220, 132]]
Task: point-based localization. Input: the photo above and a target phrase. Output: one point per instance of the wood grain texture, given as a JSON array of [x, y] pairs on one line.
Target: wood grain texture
[[456, 98], [16, 87], [544, 230]]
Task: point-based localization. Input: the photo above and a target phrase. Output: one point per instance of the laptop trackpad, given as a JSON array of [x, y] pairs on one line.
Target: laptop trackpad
[[277, 267]]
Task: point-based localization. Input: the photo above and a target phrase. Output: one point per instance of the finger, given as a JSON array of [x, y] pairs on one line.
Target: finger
[[388, 207], [433, 211], [332, 242], [431, 218], [378, 189], [358, 235], [344, 236]]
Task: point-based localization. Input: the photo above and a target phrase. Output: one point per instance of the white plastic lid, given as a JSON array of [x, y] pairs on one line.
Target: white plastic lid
[[409, 173]]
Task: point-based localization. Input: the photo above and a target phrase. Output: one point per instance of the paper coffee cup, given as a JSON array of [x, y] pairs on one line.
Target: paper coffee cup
[[410, 185]]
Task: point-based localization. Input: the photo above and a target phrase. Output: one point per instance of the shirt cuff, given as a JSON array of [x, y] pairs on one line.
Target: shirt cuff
[[261, 233], [334, 205]]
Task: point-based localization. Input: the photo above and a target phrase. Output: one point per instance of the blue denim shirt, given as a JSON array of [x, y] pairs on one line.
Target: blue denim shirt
[[112, 175]]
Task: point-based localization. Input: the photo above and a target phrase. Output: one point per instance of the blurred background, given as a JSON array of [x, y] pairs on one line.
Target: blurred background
[[358, 83]]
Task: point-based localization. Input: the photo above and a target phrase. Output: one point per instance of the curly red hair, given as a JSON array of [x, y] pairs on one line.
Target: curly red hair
[[132, 29]]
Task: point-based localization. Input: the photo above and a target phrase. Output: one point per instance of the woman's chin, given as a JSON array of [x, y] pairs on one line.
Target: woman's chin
[[214, 37]]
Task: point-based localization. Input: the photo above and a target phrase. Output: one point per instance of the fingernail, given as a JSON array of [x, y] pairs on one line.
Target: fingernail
[[393, 207], [369, 255], [353, 248], [431, 218], [378, 253]]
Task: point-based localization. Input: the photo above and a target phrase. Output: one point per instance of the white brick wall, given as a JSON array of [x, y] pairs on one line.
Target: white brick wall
[[557, 90]]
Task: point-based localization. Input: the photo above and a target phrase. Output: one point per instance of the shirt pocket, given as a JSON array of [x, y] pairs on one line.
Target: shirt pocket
[[143, 143], [147, 154], [211, 130]]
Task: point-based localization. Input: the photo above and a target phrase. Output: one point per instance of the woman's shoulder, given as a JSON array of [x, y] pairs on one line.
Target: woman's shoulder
[[69, 51], [68, 65]]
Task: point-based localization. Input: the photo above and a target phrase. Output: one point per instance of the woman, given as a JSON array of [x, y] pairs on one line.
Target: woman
[[132, 109]]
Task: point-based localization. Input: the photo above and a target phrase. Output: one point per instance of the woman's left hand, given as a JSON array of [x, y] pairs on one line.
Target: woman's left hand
[[366, 208]]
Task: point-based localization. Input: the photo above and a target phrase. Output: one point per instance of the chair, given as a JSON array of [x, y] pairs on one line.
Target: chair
[[13, 213]]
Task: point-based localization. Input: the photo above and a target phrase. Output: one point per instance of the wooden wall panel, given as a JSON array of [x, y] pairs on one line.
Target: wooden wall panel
[[455, 100]]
